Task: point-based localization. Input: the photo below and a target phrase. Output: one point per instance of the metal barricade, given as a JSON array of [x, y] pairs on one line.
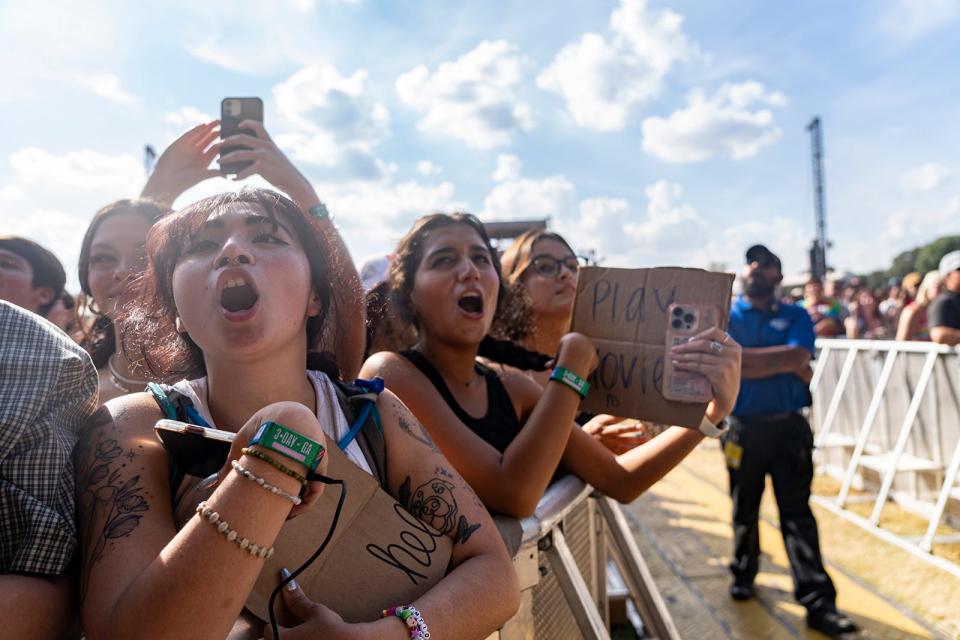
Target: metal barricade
[[886, 418], [562, 561]]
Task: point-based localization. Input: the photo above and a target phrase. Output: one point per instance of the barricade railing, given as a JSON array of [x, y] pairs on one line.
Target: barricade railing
[[561, 555], [886, 419]]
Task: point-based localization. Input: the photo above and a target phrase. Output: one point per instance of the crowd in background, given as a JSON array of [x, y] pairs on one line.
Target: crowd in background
[[849, 308]]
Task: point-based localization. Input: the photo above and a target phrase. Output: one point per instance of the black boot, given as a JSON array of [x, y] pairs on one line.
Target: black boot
[[831, 622]]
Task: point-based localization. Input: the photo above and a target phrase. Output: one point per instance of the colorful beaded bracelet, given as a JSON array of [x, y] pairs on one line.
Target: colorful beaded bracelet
[[247, 451], [231, 535], [411, 617], [272, 488]]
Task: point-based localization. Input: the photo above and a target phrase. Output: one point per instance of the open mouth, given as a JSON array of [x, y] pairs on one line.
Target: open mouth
[[237, 295], [471, 302]]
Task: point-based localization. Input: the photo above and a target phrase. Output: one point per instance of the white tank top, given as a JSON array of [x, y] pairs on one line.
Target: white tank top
[[331, 418]]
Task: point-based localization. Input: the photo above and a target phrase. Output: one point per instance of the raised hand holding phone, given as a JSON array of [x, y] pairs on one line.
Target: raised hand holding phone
[[183, 164]]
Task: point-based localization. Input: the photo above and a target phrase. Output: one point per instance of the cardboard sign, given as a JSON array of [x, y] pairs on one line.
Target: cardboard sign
[[379, 556], [624, 312]]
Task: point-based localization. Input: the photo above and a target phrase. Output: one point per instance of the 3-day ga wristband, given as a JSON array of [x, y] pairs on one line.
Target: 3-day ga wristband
[[290, 444], [572, 380]]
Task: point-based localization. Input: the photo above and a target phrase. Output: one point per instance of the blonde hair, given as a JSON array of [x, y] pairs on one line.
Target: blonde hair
[[930, 282]]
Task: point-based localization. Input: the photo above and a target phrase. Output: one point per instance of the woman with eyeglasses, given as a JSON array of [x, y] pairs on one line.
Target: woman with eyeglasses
[[506, 434]]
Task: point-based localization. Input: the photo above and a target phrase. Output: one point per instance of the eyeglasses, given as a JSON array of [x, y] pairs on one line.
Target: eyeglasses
[[549, 267]]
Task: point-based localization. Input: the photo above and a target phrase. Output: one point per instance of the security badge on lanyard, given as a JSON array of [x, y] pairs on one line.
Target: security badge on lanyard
[[732, 450]]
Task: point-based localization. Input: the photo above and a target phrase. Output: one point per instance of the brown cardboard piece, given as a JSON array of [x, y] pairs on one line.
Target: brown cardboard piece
[[380, 556], [624, 312]]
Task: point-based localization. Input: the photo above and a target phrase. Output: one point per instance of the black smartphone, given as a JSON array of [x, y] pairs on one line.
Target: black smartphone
[[233, 111], [197, 451]]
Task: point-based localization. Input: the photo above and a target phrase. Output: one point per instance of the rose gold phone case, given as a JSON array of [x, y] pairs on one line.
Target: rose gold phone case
[[685, 320]]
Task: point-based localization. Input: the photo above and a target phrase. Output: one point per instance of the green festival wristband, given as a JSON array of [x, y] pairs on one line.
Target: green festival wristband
[[290, 444], [572, 380]]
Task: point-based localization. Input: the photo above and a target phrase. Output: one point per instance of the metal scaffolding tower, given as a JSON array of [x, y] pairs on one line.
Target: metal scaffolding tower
[[818, 252]]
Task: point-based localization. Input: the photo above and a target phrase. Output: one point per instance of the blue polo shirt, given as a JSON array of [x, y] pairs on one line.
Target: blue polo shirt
[[783, 324]]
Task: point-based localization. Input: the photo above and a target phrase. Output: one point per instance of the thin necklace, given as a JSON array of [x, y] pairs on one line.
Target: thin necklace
[[130, 385]]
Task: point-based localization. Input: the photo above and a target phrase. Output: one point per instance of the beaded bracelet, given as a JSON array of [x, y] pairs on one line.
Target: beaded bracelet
[[247, 451], [272, 488], [231, 535], [411, 617]]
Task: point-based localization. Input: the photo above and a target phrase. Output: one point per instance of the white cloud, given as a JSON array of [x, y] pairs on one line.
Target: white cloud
[[604, 80], [84, 171], [186, 117], [527, 198], [925, 177], [334, 120], [735, 120], [374, 215], [52, 196], [428, 168], [785, 236], [472, 98], [668, 232], [907, 20], [107, 86], [508, 167]]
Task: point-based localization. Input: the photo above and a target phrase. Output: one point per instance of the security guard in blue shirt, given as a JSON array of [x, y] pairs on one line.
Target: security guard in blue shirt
[[768, 434]]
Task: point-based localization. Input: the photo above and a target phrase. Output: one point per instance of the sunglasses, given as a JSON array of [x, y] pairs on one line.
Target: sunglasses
[[549, 267]]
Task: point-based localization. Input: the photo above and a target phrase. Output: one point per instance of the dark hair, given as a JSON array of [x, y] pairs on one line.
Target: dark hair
[[815, 280], [409, 255], [518, 256], [46, 267], [152, 318], [99, 340]]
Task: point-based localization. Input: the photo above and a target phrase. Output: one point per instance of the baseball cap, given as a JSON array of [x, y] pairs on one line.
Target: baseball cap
[[759, 253], [912, 280], [949, 262]]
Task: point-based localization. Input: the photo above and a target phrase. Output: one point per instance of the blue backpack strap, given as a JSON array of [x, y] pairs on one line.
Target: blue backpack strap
[[160, 393], [371, 391]]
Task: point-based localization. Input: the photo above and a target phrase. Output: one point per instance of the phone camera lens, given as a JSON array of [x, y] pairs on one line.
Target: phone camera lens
[[677, 311], [676, 323], [688, 318]]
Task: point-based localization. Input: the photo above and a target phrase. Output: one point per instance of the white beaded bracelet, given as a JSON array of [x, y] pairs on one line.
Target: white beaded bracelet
[[223, 527], [272, 488]]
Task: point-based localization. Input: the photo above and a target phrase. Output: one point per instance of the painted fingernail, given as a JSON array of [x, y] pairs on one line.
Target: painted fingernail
[[292, 585]]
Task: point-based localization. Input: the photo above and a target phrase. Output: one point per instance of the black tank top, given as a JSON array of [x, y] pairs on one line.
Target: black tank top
[[500, 426]]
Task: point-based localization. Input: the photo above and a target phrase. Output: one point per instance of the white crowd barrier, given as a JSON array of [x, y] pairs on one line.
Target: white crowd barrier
[[886, 419], [561, 555]]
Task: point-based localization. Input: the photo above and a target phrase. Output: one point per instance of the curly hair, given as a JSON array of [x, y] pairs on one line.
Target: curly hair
[[152, 317]]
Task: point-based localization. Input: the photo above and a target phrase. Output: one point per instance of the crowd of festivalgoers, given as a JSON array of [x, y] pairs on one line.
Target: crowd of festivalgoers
[[906, 309], [247, 309]]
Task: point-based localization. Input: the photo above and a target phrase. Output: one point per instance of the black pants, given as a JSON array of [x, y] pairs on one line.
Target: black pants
[[782, 447]]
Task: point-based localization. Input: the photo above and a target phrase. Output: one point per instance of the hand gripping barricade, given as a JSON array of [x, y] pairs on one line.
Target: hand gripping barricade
[[561, 555], [886, 418]]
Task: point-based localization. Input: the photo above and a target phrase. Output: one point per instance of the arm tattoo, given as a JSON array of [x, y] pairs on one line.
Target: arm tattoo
[[433, 502], [418, 432], [112, 500]]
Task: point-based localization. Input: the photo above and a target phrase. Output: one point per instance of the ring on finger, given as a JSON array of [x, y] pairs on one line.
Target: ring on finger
[[716, 347]]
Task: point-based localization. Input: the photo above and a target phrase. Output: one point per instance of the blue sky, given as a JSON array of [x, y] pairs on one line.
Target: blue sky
[[653, 132]]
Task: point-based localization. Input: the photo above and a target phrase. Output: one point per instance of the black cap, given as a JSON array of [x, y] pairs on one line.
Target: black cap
[[759, 253]]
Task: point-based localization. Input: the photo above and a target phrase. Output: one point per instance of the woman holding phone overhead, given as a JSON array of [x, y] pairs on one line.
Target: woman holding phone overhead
[[503, 432], [239, 297]]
